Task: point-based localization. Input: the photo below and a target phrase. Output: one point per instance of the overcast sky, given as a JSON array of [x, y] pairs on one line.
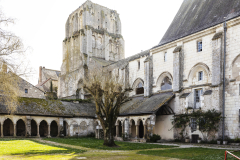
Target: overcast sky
[[41, 25]]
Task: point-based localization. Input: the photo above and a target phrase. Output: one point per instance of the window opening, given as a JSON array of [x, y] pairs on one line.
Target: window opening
[[200, 76], [138, 65], [139, 89], [26, 90], [198, 94], [199, 46], [166, 84], [165, 57], [193, 124]]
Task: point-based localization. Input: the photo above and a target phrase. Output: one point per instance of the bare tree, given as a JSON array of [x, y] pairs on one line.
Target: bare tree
[[109, 93], [12, 64]]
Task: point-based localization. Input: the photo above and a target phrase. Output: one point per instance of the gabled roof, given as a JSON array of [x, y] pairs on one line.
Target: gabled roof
[[42, 107], [141, 105], [49, 73], [197, 15]]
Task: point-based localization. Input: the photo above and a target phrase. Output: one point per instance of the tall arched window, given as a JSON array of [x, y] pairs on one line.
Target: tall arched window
[[166, 84], [139, 88]]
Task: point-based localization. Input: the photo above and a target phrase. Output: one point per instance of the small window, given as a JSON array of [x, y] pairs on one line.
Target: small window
[[199, 46], [200, 76], [138, 65], [139, 88], [165, 57], [26, 90], [98, 27], [193, 124]]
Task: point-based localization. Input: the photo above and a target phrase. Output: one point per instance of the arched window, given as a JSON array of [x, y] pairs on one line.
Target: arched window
[[139, 88], [165, 57], [166, 84]]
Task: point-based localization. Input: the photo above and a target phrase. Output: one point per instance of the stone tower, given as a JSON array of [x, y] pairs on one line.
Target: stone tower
[[91, 31]]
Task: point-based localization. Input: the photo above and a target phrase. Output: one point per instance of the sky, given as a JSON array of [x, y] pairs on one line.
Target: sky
[[41, 26]]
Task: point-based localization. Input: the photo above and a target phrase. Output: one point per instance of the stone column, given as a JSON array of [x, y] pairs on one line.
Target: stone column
[[130, 131], [1, 130], [178, 60], [117, 131], [148, 77], [145, 131], [137, 131], [38, 135], [48, 131], [14, 130]]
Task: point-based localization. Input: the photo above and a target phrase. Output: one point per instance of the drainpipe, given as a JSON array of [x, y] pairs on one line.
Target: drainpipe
[[224, 66]]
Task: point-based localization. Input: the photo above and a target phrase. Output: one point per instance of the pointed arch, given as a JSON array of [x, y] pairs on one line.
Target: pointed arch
[[53, 129], [8, 129], [164, 81], [21, 128]]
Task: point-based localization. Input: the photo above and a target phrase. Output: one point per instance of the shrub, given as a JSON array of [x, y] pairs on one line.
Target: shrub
[[91, 134], [155, 138]]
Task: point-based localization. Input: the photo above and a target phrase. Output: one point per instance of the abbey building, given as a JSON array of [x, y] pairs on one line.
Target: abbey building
[[183, 73]]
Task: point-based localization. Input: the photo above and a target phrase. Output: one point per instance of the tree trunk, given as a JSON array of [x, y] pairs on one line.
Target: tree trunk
[[108, 135]]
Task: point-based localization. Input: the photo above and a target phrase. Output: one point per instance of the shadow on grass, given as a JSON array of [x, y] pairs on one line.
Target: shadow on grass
[[98, 144], [28, 146]]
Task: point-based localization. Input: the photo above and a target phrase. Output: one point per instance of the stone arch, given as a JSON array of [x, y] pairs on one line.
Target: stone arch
[[235, 68], [8, 128], [133, 128], [33, 127], [53, 129], [192, 76], [138, 86], [43, 128], [141, 128], [65, 128], [162, 83], [20, 128]]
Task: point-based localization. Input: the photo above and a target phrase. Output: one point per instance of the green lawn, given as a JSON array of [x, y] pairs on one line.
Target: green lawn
[[190, 153], [20, 147], [98, 144]]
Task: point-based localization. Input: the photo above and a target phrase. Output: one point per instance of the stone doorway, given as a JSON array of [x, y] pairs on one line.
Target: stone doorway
[[141, 129], [54, 129], [21, 128], [33, 128], [65, 128], [120, 128], [8, 129], [133, 129], [43, 129]]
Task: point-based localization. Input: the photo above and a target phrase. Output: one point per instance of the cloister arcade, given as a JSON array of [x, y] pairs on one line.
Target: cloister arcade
[[24, 127]]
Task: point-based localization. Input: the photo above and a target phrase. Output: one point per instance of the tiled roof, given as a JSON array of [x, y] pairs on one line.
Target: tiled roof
[[141, 105], [42, 107], [197, 15]]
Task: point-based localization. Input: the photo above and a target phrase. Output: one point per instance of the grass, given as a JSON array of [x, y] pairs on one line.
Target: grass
[[190, 153], [98, 144], [17, 148]]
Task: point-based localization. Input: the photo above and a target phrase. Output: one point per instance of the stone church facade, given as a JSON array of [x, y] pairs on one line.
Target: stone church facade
[[183, 73]]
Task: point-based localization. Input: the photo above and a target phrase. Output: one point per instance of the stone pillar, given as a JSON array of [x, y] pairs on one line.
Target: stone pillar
[[38, 135], [28, 126], [145, 131], [48, 131], [137, 131], [130, 130], [1, 130], [117, 131], [126, 127], [148, 76], [177, 68], [14, 130]]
